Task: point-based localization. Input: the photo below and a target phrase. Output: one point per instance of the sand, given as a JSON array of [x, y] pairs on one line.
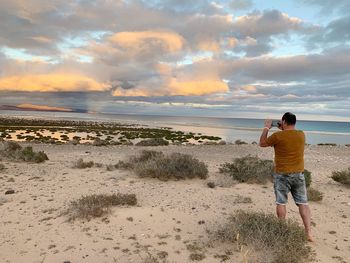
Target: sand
[[169, 215]]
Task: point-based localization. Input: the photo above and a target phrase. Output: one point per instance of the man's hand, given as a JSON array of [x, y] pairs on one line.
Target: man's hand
[[263, 137], [268, 123]]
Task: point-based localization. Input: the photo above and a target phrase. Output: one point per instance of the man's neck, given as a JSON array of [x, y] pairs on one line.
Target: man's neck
[[289, 128]]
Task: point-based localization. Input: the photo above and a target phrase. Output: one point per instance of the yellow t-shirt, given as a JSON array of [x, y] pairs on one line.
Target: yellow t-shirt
[[289, 150]]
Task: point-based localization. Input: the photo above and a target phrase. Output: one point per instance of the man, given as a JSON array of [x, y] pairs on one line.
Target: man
[[289, 167]]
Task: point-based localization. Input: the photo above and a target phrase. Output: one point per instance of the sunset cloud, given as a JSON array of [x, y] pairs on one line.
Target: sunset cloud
[[174, 87], [54, 82], [138, 41], [42, 107], [99, 55]]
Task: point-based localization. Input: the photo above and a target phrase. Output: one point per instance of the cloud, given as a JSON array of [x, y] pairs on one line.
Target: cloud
[[241, 4], [53, 82], [173, 87], [256, 29], [139, 41], [267, 23], [201, 87], [27, 106], [335, 33], [329, 6]]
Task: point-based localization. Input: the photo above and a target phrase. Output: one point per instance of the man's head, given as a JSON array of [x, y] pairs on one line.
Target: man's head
[[288, 119]]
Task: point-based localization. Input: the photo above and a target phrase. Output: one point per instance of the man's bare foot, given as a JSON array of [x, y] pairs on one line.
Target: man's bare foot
[[309, 237]]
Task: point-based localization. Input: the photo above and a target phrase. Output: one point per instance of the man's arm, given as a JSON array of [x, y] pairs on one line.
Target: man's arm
[[263, 137]]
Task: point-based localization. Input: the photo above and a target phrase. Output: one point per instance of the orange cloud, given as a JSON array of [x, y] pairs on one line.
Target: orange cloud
[[249, 88], [42, 107], [53, 82], [212, 46], [170, 41], [194, 88], [177, 88]]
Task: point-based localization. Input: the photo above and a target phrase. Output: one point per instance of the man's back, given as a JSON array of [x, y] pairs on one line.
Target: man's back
[[289, 150]]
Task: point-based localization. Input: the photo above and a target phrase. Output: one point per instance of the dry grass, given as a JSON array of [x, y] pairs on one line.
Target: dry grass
[[120, 165], [249, 169], [174, 166], [92, 206], [153, 142], [314, 195], [80, 164], [342, 177], [271, 239], [14, 151], [243, 200]]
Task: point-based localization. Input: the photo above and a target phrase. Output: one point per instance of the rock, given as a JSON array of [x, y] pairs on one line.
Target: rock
[[9, 192]]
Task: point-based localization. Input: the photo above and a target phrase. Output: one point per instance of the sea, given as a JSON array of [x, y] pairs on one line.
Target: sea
[[229, 129]]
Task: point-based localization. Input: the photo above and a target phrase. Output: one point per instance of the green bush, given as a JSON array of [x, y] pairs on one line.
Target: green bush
[[153, 142], [342, 177], [164, 167], [91, 206], [249, 169], [307, 175], [272, 239]]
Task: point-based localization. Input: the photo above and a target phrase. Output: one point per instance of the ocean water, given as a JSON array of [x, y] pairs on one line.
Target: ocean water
[[229, 129]]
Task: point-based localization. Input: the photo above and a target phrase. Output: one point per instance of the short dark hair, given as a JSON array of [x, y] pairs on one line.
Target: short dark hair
[[289, 118]]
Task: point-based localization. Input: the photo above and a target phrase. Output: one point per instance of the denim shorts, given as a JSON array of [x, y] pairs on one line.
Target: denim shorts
[[292, 182]]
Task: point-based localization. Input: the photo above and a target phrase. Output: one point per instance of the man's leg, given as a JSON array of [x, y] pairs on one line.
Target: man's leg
[[305, 214], [281, 211]]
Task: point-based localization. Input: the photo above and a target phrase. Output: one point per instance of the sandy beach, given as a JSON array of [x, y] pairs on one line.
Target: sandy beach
[[169, 216]]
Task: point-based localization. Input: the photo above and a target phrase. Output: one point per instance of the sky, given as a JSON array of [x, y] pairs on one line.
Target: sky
[[233, 58]]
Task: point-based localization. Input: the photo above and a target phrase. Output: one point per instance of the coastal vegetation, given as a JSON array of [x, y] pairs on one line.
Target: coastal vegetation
[[97, 205], [248, 169], [174, 166], [14, 151], [95, 133], [342, 177], [312, 194], [80, 164], [269, 238]]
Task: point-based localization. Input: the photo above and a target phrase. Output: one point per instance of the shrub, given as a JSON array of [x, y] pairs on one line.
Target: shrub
[[120, 165], [211, 184], [274, 240], [13, 150], [308, 180], [342, 177], [174, 166], [239, 142], [91, 206], [80, 164], [10, 146], [249, 169], [2, 167], [153, 142], [314, 195], [28, 155], [98, 142], [164, 167]]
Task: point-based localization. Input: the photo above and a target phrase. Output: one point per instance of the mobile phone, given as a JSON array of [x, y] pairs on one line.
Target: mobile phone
[[276, 123]]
